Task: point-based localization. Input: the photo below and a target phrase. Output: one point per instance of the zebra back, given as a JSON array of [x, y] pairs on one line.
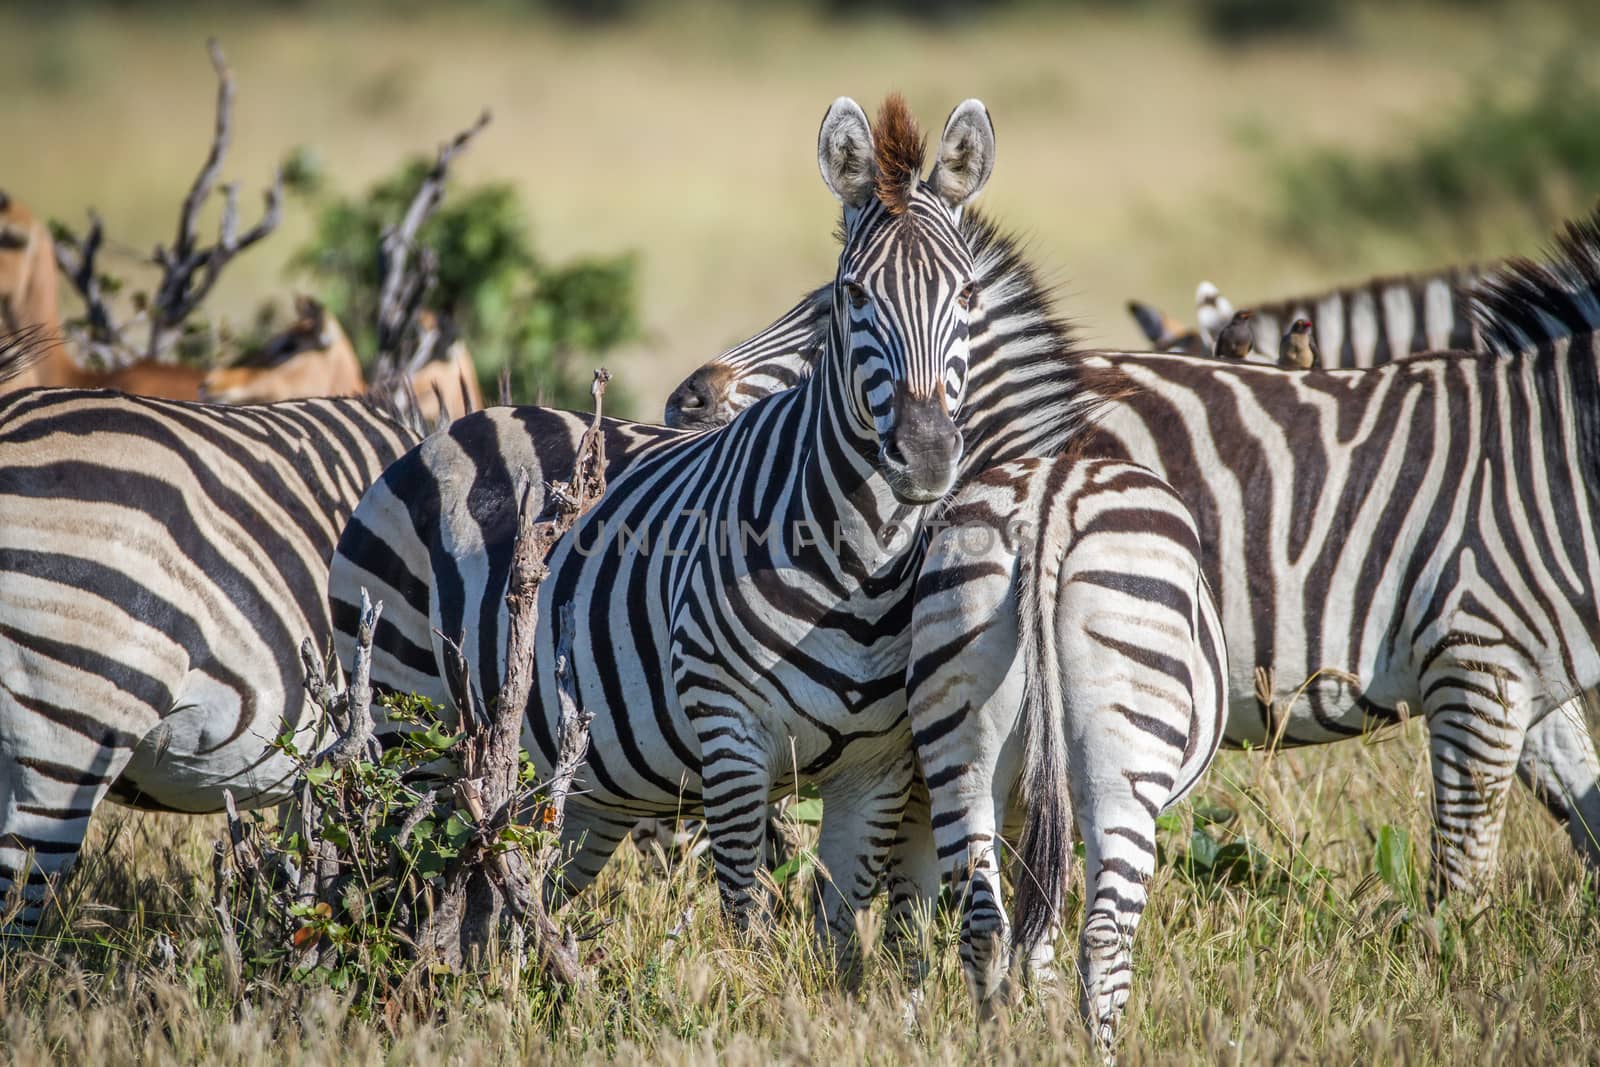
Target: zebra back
[[160, 565], [245, 504], [1379, 320]]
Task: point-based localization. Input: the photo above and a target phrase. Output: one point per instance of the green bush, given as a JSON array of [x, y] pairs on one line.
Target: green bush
[[1531, 152], [548, 323], [1232, 20]]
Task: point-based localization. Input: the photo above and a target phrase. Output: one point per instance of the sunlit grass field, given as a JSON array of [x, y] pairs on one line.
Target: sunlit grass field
[[1139, 157], [1315, 955]]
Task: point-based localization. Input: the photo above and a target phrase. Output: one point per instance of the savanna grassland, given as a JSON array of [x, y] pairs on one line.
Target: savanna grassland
[[1140, 153], [1289, 932]]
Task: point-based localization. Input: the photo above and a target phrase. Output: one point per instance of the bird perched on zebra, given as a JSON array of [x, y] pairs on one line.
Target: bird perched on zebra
[[1296, 349], [1361, 325], [1212, 311], [1478, 571], [765, 639], [1237, 339], [160, 564]]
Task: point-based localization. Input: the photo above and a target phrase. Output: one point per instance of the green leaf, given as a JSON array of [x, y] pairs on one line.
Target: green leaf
[[1203, 850], [806, 811], [321, 774], [457, 830], [795, 866], [436, 739], [1393, 858], [1207, 814]]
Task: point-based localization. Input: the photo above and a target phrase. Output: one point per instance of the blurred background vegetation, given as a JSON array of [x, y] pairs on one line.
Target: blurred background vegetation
[[648, 194]]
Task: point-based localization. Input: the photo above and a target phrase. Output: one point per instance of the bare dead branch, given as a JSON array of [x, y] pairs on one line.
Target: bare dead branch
[[357, 739], [406, 284], [489, 789], [184, 245], [222, 876], [189, 270], [79, 261]]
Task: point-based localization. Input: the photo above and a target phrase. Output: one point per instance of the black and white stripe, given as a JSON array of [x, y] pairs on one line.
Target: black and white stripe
[[1066, 653], [756, 636], [1063, 599], [160, 564], [1423, 527]]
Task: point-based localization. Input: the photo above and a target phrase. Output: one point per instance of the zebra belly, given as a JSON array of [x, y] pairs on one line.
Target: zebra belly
[[207, 745]]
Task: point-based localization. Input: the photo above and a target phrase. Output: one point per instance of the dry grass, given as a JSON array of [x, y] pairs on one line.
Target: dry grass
[[1323, 964]]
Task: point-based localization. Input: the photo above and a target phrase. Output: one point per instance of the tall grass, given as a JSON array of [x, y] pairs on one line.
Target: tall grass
[[1314, 951]]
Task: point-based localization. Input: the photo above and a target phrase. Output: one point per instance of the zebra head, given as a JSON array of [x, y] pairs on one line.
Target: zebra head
[[777, 358], [905, 283]]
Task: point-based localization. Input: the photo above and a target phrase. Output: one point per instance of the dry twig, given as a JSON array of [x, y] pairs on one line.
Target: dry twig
[[406, 283], [189, 269], [489, 786]]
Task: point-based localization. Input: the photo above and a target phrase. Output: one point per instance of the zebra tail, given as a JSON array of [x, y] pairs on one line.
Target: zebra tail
[[1046, 849]]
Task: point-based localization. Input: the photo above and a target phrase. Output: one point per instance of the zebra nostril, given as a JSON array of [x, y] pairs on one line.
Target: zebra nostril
[[892, 452], [688, 399]]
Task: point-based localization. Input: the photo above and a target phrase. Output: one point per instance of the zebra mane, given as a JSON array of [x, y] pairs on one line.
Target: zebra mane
[[1527, 303], [898, 148], [1030, 392]]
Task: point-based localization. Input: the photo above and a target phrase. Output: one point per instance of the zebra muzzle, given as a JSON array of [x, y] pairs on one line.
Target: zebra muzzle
[[918, 455]]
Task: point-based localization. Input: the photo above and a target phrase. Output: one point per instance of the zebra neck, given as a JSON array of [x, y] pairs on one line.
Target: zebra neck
[[866, 535]]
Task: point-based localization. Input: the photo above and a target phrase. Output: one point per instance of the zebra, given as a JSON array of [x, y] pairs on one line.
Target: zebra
[[1139, 663], [1375, 321], [1275, 467], [1066, 651], [745, 664], [160, 563]]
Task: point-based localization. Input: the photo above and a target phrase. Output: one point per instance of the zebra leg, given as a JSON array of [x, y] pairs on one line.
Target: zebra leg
[[1119, 833], [736, 780], [913, 880], [50, 784], [1474, 741], [1559, 764], [860, 824]]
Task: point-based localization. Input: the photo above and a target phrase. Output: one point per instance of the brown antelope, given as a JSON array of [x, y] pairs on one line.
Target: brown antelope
[[28, 295], [451, 380], [313, 357]]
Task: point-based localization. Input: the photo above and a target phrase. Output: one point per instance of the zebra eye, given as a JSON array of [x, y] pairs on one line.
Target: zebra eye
[[857, 295], [968, 291]]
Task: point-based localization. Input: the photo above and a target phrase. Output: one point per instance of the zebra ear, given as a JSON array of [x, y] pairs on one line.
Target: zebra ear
[[966, 154], [844, 153]]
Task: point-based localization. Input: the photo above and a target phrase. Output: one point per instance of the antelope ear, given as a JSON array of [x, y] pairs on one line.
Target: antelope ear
[[966, 154], [844, 153]]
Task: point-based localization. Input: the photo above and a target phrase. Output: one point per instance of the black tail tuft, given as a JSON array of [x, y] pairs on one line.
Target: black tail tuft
[[1046, 850], [22, 348]]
